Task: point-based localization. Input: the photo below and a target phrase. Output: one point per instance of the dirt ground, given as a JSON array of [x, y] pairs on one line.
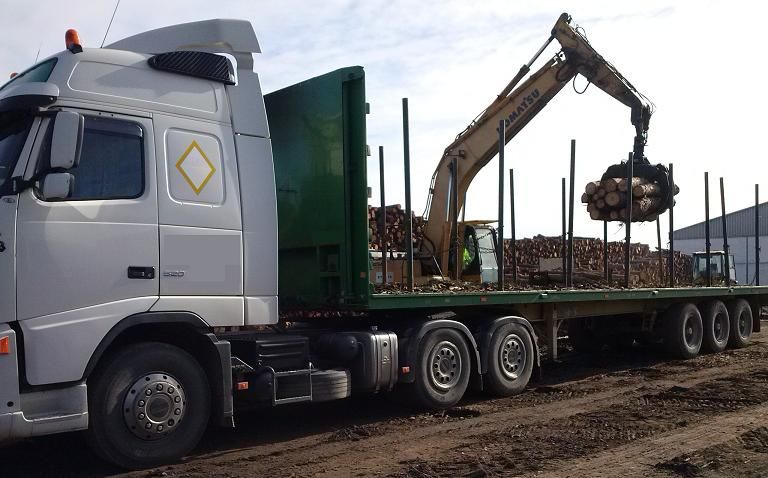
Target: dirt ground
[[633, 414]]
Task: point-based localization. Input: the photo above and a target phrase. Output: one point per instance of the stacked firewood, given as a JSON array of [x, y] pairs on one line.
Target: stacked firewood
[[395, 233], [588, 260], [606, 200]]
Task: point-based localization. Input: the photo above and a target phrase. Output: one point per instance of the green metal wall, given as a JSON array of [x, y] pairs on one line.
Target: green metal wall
[[317, 128]]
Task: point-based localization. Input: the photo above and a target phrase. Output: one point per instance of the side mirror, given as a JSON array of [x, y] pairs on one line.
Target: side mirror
[[57, 186], [67, 140]]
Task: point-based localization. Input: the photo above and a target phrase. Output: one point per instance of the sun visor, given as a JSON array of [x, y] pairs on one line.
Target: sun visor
[[28, 96]]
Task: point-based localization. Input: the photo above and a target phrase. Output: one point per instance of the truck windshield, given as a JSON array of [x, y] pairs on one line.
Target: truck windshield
[[40, 72], [14, 128]]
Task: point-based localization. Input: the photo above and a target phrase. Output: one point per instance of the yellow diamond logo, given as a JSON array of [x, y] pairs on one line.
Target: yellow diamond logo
[[195, 167]]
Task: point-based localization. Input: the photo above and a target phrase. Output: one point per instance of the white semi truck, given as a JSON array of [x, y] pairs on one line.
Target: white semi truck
[[140, 190]]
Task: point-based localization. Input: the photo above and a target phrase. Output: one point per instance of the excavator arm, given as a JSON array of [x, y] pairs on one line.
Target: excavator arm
[[517, 104]]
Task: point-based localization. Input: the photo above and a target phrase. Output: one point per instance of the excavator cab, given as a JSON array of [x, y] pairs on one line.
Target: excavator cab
[[477, 252], [716, 267]]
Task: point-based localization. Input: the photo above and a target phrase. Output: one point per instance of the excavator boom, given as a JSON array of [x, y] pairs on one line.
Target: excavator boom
[[517, 104]]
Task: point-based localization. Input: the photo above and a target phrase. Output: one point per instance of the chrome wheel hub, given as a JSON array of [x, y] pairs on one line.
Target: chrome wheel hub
[[445, 365], [512, 357], [154, 406]]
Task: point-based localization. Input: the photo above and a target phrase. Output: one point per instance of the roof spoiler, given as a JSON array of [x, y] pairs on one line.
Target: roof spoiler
[[234, 37]]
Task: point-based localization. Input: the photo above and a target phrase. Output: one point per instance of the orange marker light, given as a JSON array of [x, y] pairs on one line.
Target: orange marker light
[[5, 345], [72, 41], [14, 75], [241, 386]]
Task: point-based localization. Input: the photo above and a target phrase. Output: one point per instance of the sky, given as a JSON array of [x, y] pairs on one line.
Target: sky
[[700, 62]]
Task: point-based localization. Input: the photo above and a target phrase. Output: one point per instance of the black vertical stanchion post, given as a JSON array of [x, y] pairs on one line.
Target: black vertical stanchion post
[[671, 227], [628, 222], [563, 246], [513, 246], [707, 244], [456, 242], [570, 214], [408, 212], [383, 220], [500, 235], [661, 255], [605, 251], [757, 234], [727, 271]]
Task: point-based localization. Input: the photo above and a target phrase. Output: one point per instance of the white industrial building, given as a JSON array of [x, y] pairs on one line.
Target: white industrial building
[[741, 241]]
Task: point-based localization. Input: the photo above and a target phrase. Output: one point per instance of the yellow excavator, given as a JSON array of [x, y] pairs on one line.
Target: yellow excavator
[[474, 147]]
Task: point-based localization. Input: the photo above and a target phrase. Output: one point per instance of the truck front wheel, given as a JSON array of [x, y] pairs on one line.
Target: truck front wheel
[[149, 404], [444, 367]]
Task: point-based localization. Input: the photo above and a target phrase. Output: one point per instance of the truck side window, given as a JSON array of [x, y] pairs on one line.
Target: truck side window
[[111, 163]]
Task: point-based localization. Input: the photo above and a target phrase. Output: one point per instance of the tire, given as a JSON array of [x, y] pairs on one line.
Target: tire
[[683, 331], [444, 368], [118, 425], [510, 360], [741, 323], [717, 326], [327, 385]]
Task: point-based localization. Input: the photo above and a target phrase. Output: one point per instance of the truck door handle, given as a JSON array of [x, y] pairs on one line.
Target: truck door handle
[[136, 272]]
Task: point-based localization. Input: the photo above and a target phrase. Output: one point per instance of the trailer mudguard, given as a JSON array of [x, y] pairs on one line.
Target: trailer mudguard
[[412, 338]]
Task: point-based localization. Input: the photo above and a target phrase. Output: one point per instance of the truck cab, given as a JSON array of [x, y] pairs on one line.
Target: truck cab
[[124, 204]]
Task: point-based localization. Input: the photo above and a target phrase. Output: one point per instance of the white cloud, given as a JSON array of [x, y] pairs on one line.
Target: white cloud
[[700, 62]]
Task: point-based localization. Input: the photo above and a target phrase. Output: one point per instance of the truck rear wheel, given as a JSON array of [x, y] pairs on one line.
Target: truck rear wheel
[[511, 358], [741, 323], [149, 404], [444, 368], [717, 326], [683, 331]]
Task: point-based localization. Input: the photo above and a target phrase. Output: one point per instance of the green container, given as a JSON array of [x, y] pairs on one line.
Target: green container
[[317, 129]]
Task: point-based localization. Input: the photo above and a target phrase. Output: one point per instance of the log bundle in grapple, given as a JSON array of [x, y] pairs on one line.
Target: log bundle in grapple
[[607, 200]]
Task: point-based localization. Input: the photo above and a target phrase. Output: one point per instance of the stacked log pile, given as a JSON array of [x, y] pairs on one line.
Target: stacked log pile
[[588, 260], [606, 200], [395, 233]]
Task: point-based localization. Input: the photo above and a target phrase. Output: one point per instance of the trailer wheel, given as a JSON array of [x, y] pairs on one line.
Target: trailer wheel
[[683, 331], [741, 323], [444, 367], [717, 326], [149, 404], [511, 358]]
